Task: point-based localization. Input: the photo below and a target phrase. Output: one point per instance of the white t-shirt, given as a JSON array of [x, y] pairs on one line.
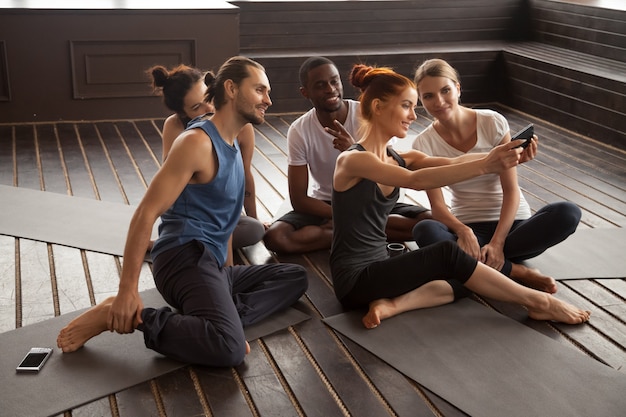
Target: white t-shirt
[[478, 199], [309, 144]]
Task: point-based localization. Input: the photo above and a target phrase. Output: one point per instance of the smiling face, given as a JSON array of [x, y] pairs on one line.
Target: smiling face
[[194, 104], [397, 114], [253, 96], [440, 96], [324, 88]]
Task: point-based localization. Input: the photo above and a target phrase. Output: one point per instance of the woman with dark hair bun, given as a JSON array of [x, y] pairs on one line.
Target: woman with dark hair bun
[[366, 185], [184, 91]]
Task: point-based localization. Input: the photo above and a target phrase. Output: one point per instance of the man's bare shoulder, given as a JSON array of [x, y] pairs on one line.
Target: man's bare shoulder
[[191, 155], [193, 140]]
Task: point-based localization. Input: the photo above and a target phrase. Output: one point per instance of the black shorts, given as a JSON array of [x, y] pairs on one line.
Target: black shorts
[[408, 210], [299, 220]]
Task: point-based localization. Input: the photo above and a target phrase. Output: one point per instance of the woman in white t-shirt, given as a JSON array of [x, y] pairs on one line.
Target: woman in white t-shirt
[[489, 216]]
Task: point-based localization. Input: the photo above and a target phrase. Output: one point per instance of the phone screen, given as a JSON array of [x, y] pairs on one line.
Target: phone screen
[[525, 133], [34, 360]]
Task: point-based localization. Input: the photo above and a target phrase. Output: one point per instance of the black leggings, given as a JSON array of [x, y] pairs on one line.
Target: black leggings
[[526, 239], [404, 273]]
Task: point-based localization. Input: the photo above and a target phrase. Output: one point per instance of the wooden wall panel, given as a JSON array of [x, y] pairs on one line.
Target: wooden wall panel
[[584, 28], [373, 25], [44, 46], [117, 68]]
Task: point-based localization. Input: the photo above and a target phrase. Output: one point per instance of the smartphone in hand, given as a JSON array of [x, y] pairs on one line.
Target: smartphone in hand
[[525, 133]]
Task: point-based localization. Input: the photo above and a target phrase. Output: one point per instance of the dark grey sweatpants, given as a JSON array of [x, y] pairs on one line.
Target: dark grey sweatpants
[[214, 304]]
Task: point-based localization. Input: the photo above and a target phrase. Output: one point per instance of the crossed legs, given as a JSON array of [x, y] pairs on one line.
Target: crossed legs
[[483, 280]]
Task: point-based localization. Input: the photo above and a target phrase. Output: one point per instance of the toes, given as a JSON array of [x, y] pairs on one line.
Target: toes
[[584, 316], [368, 324]]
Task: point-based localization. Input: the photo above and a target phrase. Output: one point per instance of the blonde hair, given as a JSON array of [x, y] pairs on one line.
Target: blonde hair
[[436, 68]]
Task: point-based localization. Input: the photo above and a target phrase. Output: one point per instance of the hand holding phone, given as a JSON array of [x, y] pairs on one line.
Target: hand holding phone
[[34, 360], [526, 133]]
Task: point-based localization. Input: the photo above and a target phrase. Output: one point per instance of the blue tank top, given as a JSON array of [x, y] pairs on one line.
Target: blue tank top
[[207, 212]]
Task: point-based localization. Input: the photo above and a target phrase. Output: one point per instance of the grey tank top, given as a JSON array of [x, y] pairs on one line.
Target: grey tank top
[[359, 219]]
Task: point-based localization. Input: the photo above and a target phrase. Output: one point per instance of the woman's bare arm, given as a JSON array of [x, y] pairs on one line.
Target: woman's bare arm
[[354, 165]]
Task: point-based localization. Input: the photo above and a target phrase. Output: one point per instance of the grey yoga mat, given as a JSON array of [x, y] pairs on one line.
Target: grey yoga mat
[[77, 222], [488, 365], [107, 364], [588, 253]]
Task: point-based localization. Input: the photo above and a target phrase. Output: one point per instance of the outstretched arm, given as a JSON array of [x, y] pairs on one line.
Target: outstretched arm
[[416, 159], [354, 166]]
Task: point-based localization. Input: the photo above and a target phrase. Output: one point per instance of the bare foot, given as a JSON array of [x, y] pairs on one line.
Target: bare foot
[[379, 310], [557, 310], [431, 294], [89, 324], [247, 347], [533, 278]]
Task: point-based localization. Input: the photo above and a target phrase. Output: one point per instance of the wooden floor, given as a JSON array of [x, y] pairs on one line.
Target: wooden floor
[[306, 370]]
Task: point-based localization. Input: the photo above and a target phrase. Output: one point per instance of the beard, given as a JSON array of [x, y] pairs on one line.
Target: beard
[[249, 114]]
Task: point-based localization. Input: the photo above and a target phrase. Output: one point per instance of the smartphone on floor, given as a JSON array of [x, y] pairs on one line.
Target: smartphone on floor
[[34, 360]]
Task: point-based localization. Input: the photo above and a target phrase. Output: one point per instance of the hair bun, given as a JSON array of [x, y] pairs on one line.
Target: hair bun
[[209, 78], [358, 76], [160, 76]]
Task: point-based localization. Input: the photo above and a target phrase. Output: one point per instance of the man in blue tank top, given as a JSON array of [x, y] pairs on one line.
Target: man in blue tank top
[[198, 192]]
